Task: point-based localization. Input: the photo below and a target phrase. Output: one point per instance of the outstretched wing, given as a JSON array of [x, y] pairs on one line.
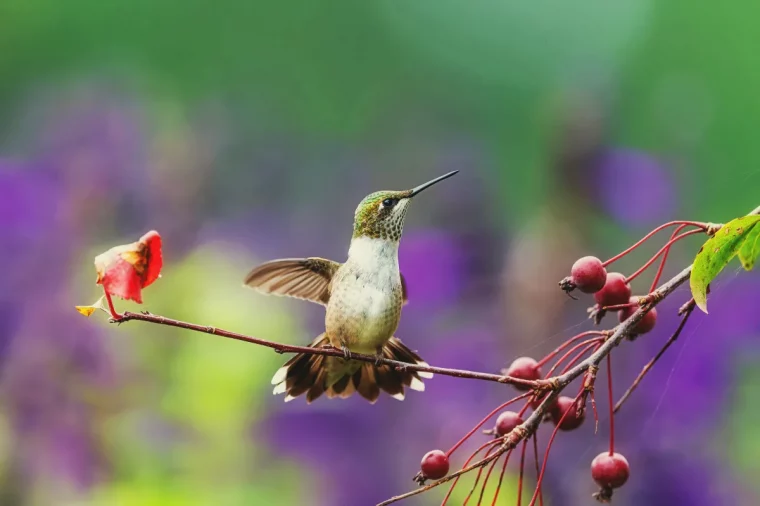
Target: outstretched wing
[[302, 278]]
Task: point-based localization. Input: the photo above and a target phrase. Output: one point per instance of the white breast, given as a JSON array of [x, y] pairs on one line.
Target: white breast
[[370, 254], [374, 263], [367, 293]]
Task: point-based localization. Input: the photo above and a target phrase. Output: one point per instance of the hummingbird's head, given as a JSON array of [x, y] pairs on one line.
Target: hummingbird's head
[[381, 214]]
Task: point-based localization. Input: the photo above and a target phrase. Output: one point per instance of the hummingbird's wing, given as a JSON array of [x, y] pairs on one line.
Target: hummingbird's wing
[[404, 292], [302, 278]]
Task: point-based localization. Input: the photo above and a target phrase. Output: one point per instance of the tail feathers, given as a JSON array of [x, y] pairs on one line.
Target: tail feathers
[[394, 349], [315, 375]]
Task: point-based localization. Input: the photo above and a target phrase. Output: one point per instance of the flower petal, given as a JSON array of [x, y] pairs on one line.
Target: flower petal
[[153, 257], [121, 279], [125, 270]]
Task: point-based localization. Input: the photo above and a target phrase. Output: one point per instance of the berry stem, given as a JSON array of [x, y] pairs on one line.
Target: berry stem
[[520, 479], [484, 420], [546, 453], [501, 477], [591, 347], [535, 459], [620, 306], [492, 443], [664, 259], [570, 352], [488, 476], [114, 315], [567, 343], [689, 308], [477, 479], [702, 226], [612, 413], [660, 252]]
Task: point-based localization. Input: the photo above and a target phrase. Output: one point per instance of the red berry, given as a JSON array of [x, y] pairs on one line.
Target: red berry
[[524, 368], [610, 471], [435, 465], [615, 291], [588, 274], [535, 402], [507, 421], [646, 324], [572, 420]]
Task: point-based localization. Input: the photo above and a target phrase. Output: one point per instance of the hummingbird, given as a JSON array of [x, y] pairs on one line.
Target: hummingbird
[[363, 297]]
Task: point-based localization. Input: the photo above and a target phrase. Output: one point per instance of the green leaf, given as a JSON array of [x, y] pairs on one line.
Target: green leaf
[[716, 253], [750, 250]]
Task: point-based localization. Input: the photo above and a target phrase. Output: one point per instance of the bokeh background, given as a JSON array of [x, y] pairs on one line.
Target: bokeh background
[[245, 131]]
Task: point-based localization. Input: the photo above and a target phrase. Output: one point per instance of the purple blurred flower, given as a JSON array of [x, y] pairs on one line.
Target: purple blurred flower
[[348, 448], [684, 478], [433, 265], [694, 375], [30, 210], [634, 187], [90, 139], [72, 453], [48, 414]]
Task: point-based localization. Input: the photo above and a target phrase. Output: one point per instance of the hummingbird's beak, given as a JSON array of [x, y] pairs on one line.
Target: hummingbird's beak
[[418, 189]]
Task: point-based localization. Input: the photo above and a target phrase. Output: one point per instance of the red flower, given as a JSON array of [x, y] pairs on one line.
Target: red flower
[[125, 270]]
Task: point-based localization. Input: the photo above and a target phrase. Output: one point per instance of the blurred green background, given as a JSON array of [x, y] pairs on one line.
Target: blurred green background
[[244, 131]]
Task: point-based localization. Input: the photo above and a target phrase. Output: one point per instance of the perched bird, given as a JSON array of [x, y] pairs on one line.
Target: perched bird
[[363, 299]]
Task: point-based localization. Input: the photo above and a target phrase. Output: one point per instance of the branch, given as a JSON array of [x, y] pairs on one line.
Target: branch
[[330, 351], [686, 312], [557, 384], [481, 463]]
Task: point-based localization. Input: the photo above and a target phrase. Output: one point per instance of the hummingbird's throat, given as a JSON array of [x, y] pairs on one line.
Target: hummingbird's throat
[[381, 224], [372, 254]]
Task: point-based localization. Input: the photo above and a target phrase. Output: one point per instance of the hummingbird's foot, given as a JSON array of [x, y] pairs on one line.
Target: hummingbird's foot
[[346, 352]]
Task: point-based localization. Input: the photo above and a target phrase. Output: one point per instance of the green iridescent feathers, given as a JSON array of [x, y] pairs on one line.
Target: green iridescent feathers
[[373, 219]]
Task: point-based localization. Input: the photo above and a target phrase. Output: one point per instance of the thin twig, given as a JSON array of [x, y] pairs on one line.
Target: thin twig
[[567, 343], [520, 479], [703, 226], [501, 479], [538, 468], [484, 420], [548, 449], [664, 259], [490, 445], [488, 475], [334, 352], [477, 480], [609, 400], [479, 464], [662, 250], [686, 313], [581, 354], [588, 343]]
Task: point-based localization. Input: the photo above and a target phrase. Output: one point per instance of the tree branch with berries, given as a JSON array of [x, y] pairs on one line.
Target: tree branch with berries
[[557, 389]]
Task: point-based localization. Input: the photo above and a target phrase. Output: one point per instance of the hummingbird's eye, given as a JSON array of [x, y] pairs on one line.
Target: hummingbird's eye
[[390, 202]]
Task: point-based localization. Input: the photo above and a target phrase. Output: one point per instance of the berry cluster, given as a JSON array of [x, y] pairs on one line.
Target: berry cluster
[[611, 290], [540, 383]]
